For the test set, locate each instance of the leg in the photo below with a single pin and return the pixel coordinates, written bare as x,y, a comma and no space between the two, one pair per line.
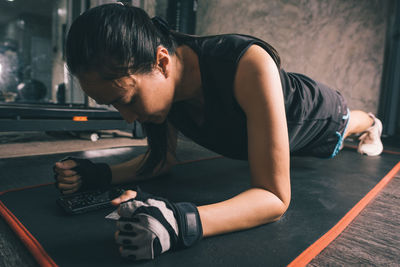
371,130
359,122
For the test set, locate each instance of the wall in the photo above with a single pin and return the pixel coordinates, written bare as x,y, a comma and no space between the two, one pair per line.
340,42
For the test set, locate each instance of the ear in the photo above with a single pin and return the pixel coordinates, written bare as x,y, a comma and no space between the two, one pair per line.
163,61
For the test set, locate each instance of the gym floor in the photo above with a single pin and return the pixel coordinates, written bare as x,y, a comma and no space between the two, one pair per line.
372,239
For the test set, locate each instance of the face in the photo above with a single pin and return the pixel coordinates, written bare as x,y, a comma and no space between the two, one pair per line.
143,97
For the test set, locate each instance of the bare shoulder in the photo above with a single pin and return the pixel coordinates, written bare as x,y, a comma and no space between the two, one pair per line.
256,77
255,55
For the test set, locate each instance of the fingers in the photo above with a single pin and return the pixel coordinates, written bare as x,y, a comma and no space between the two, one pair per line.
67,164
68,188
64,167
68,184
137,243
66,192
68,180
127,195
64,172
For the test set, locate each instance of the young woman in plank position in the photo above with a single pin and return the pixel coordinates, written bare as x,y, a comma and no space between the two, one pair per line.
227,93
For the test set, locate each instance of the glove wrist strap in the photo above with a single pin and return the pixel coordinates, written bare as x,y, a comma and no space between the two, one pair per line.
190,228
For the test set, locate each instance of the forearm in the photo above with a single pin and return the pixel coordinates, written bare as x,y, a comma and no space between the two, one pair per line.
127,172
249,209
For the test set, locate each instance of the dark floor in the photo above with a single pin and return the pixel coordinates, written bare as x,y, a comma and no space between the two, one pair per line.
372,239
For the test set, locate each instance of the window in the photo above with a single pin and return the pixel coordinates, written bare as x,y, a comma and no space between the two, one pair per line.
31,65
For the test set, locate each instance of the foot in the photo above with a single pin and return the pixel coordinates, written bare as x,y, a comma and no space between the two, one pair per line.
370,141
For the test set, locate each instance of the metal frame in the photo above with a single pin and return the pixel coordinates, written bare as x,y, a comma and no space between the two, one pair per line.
26,117
9,125
389,109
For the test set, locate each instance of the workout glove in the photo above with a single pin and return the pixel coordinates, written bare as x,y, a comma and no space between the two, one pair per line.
93,175
150,225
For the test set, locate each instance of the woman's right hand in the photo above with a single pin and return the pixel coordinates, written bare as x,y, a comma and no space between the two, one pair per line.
67,180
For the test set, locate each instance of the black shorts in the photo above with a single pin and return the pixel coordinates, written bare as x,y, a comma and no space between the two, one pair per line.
330,138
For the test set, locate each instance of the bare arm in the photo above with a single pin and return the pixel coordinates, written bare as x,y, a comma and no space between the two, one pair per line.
69,180
126,171
258,91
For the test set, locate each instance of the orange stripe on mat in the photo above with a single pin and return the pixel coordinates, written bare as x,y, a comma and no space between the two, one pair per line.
27,238
26,187
312,251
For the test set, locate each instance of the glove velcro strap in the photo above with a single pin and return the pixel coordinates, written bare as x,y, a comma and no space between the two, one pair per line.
190,229
93,175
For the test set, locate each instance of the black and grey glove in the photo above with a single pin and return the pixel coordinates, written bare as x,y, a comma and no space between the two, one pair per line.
93,175
151,225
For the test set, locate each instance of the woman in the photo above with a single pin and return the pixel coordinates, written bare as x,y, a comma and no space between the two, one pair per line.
228,94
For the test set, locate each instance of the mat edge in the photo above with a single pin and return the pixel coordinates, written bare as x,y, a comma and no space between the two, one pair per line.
30,242
312,251
303,259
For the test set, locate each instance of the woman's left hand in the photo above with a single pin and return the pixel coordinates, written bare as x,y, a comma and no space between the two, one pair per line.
151,225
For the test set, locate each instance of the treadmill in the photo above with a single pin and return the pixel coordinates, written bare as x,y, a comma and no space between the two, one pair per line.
56,117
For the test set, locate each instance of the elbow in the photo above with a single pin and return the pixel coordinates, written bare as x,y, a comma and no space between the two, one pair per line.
283,206
280,215
272,207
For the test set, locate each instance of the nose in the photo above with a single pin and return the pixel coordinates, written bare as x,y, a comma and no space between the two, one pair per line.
128,115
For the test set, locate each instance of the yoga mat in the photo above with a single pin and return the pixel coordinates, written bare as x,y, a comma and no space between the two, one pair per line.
323,192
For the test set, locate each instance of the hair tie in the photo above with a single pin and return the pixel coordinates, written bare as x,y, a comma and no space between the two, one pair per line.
123,3
161,24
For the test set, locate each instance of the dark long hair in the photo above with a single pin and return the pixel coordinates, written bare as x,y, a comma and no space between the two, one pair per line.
116,40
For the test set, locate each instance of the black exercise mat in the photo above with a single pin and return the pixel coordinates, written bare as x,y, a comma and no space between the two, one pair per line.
323,191
33,170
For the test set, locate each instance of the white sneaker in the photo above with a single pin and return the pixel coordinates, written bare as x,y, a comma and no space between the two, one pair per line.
370,141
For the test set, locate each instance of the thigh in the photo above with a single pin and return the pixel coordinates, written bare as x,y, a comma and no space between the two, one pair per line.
329,132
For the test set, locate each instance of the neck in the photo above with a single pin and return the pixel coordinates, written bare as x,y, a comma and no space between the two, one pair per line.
188,77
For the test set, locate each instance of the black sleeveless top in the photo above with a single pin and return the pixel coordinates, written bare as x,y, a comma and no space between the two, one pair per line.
224,129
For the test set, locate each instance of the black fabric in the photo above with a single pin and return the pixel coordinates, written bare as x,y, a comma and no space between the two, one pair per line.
190,228
323,191
310,106
93,175
314,114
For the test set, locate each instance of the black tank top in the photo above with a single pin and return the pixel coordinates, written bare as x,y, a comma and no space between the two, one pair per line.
224,129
